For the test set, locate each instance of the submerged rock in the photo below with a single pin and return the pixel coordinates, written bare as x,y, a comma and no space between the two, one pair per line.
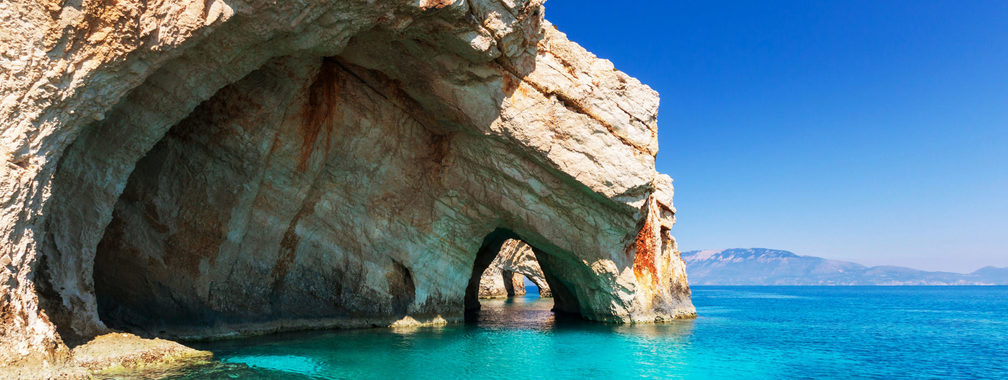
504,277
211,168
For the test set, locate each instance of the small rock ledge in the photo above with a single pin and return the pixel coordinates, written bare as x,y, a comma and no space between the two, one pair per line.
116,355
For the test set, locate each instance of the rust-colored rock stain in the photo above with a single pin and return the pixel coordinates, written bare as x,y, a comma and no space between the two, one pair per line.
290,241
510,82
440,150
320,110
645,252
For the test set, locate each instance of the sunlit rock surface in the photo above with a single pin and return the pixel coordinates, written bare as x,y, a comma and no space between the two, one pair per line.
112,356
210,168
504,277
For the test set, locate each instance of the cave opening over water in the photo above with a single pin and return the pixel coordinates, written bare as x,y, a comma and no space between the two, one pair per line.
260,171
243,218
498,243
355,189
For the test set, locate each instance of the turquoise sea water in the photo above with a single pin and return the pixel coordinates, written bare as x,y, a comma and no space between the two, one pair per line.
741,332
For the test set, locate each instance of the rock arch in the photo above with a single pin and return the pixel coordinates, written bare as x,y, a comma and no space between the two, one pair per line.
504,277
190,169
504,241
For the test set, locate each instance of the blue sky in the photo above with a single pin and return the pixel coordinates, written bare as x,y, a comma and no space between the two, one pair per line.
871,131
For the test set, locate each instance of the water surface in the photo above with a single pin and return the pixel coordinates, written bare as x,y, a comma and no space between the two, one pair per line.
741,332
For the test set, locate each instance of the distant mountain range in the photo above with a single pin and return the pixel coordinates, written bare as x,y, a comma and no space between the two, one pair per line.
761,266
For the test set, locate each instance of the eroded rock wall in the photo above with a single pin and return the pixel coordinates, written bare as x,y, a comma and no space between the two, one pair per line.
198,168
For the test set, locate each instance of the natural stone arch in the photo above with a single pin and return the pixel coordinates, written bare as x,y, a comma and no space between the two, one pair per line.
504,277
512,125
502,240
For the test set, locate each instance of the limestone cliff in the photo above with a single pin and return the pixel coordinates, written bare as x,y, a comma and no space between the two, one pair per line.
211,167
503,278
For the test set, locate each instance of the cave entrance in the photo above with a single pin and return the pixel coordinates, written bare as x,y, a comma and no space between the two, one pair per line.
258,210
514,267
504,265
238,215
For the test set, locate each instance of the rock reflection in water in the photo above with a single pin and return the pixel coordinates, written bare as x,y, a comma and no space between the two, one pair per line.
742,332
523,329
528,312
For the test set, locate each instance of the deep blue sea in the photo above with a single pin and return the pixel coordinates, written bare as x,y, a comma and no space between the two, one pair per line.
741,332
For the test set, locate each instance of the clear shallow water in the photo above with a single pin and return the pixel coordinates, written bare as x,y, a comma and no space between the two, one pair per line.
741,332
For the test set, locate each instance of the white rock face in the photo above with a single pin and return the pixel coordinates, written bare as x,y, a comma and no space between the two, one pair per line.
504,277
498,283
204,168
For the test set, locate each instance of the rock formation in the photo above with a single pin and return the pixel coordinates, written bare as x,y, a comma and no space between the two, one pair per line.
116,355
504,277
217,167
499,283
